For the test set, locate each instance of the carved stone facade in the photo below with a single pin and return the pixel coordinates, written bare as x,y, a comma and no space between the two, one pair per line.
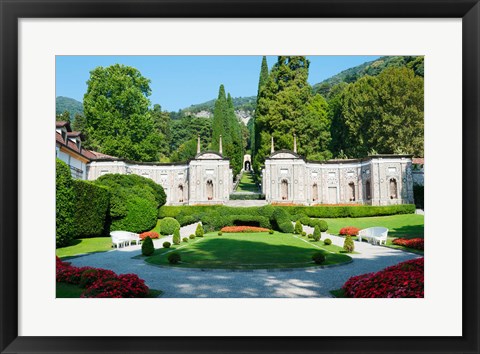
376,180
207,179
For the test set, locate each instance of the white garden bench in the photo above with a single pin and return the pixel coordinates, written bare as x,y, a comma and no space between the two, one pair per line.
122,238
376,235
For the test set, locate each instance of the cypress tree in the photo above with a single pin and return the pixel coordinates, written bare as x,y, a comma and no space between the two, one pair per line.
261,83
219,115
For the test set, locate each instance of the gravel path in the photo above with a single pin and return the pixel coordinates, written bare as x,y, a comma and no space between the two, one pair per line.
188,283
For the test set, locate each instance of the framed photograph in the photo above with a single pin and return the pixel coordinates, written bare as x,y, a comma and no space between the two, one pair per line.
207,284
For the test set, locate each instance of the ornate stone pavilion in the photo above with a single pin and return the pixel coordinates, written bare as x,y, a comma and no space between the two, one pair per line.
375,180
206,179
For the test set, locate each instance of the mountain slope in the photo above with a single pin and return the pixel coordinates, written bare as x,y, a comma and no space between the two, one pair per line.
68,104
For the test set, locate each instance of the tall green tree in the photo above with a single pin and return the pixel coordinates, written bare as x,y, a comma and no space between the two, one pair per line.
118,120
219,118
261,83
162,124
382,113
286,105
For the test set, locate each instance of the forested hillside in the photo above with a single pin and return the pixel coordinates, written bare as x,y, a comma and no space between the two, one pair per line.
67,104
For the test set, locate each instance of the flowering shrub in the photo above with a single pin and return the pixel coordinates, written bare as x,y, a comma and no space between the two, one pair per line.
402,280
101,282
151,234
349,230
244,229
416,243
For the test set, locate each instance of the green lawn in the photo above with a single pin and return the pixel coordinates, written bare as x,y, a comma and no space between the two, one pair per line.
85,245
247,184
64,290
404,226
250,251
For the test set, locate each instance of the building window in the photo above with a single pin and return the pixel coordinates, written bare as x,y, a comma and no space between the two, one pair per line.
351,188
314,192
392,170
368,190
209,189
284,189
393,189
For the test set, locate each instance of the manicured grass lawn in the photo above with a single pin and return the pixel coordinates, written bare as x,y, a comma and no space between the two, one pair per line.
65,290
247,184
250,251
404,226
85,245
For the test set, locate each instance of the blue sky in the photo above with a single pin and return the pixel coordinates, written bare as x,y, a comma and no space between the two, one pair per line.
180,81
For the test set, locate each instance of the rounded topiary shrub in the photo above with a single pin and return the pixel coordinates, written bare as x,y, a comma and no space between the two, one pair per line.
304,233
318,258
174,258
323,225
310,236
168,226
298,227
270,232
166,244
327,242
199,231
192,236
348,244
185,239
147,247
176,237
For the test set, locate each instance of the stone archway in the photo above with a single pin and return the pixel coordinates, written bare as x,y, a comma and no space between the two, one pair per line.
284,189
209,189
393,188
247,166
315,192
247,162
180,193
351,187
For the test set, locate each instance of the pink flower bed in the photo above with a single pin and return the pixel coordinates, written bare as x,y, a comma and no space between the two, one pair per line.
101,283
402,280
416,243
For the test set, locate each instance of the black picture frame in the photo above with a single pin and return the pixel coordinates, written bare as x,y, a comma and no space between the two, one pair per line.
12,11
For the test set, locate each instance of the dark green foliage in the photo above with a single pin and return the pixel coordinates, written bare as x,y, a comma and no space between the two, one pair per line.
192,236
91,209
184,132
65,205
323,225
147,247
240,103
327,242
176,237
220,233
316,233
383,113
318,257
271,232
281,221
162,125
348,244
118,120
185,239
418,195
134,201
199,231
310,236
168,226
261,84
166,244
298,228
174,258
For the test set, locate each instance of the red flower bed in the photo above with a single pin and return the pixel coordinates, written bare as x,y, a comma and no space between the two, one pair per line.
416,243
101,282
244,229
151,234
349,230
402,280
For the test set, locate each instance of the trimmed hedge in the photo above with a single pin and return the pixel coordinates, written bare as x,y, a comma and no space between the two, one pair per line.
168,226
279,218
65,205
91,209
134,201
